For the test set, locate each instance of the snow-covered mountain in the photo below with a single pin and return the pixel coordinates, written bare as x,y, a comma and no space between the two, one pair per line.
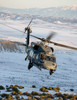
53,15
66,12
51,19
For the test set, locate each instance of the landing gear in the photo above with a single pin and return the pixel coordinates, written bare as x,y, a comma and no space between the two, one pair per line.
26,57
30,65
51,72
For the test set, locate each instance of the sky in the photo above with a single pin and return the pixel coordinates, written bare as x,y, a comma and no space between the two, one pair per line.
22,4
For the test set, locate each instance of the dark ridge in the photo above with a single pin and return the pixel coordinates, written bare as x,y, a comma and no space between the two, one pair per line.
6,45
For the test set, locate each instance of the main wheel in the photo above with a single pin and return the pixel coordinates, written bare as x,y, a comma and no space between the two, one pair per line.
26,58
51,72
30,66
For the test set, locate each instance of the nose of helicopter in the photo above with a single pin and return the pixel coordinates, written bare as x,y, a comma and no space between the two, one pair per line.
50,65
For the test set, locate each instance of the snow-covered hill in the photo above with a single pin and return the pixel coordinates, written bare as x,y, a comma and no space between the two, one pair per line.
13,67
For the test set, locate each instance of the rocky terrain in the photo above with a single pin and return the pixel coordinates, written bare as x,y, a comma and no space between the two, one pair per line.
14,92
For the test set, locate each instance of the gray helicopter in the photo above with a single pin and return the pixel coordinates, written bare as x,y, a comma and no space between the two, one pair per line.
40,54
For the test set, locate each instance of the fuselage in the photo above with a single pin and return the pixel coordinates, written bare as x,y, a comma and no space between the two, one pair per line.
41,56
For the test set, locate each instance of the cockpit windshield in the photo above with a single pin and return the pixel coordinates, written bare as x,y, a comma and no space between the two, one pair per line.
48,58
51,58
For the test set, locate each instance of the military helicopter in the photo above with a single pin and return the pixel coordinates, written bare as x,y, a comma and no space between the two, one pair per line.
39,54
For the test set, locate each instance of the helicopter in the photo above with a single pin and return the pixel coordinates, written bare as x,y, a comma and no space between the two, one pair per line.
40,54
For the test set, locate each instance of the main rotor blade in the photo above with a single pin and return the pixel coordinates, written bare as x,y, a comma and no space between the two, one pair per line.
62,45
37,37
50,36
11,27
55,43
30,23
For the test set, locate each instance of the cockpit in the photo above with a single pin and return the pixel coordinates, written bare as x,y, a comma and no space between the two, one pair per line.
37,47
